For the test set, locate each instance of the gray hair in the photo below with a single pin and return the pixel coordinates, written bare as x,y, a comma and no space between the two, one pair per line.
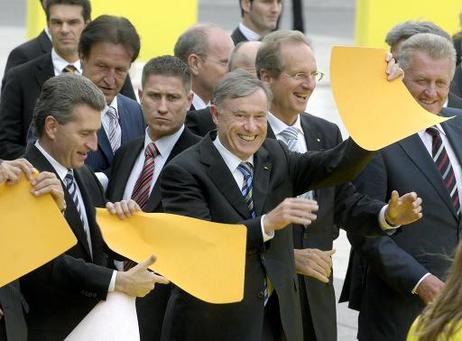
237,84
60,95
408,28
435,46
194,40
269,53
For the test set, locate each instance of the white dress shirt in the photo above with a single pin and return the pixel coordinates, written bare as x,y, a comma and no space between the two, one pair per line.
59,64
105,118
198,102
164,146
62,171
232,162
248,33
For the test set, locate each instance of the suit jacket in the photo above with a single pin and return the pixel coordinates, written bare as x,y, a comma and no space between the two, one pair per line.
456,84
13,324
200,121
151,308
29,50
22,88
61,292
340,205
198,183
394,264
132,126
237,36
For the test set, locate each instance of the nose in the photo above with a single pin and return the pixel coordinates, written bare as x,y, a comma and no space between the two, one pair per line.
309,83
162,109
250,124
92,142
65,28
110,77
431,90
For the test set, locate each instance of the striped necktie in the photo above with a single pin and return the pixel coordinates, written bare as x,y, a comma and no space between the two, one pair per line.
142,188
246,169
115,132
441,158
70,69
290,135
71,187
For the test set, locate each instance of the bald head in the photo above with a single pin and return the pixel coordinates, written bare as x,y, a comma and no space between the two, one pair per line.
244,56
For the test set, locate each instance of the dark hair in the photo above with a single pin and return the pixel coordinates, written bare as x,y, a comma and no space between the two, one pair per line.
168,66
85,4
61,94
110,29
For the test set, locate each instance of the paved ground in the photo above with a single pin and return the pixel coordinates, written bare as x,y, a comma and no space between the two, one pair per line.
328,23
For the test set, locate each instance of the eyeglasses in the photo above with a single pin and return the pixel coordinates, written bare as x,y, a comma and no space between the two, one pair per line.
303,76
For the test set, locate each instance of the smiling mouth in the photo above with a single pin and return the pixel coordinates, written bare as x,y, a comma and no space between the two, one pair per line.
248,138
302,97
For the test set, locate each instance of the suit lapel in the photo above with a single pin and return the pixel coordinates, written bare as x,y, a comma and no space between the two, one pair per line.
220,174
126,165
416,151
71,215
453,130
104,145
262,172
45,42
45,69
124,120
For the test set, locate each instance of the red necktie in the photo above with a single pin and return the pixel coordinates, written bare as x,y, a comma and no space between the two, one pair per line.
143,184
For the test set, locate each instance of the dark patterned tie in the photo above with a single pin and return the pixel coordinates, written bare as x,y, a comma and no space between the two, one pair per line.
143,184
70,69
246,169
441,158
71,187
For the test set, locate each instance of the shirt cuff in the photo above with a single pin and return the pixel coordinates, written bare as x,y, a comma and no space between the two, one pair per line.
112,283
414,290
266,236
384,225
103,180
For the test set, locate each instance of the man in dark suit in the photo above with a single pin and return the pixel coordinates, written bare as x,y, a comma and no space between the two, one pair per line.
242,57
165,97
205,48
292,85
406,270
108,46
12,304
60,293
258,18
234,175
66,20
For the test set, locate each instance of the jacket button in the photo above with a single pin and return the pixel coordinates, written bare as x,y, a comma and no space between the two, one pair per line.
261,294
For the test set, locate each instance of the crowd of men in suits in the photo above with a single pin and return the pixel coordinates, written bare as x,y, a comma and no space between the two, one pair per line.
220,133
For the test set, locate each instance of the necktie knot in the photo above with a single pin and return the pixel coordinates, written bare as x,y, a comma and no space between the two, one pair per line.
151,151
69,178
433,132
112,113
246,169
69,69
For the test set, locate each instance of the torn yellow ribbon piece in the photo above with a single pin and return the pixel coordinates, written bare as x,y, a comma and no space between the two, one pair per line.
32,232
375,111
205,259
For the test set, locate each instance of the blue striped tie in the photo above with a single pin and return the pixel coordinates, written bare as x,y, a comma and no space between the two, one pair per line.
246,169
290,135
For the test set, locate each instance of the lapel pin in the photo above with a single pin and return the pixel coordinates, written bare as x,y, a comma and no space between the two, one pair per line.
266,168
318,139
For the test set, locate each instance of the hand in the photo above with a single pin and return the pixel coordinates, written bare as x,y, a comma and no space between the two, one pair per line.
138,281
393,70
290,211
124,208
11,171
429,288
403,210
314,263
47,182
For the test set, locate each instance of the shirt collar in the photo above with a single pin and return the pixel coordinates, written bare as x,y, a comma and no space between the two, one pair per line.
113,104
59,168
248,33
47,31
164,144
231,160
60,63
198,102
278,126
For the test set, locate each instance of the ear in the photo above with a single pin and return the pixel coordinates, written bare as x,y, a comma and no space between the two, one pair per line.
194,62
190,98
140,94
266,76
246,4
50,127
214,112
